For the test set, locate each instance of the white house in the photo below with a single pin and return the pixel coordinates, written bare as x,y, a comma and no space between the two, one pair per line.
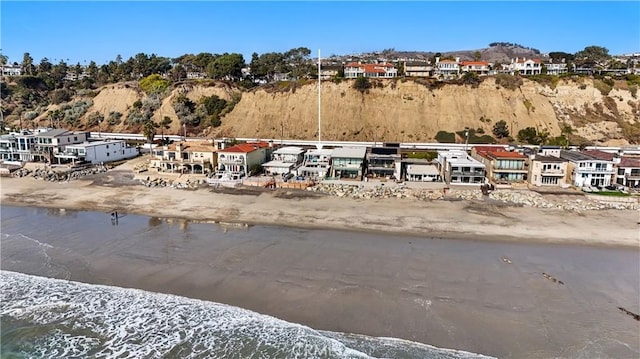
383,70
55,141
238,161
588,169
384,162
420,170
556,67
628,172
526,66
316,163
458,168
97,152
448,69
284,160
11,70
417,69
480,68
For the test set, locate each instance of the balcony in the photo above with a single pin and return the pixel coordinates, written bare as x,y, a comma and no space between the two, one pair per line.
603,170
467,173
551,172
632,176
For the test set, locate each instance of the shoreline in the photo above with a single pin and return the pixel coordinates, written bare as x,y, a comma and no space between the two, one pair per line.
484,220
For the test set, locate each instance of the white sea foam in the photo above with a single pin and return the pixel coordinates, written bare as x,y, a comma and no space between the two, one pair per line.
83,320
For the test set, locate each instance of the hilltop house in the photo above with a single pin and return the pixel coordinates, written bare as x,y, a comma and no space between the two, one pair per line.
556,67
11,70
525,66
447,69
382,70
238,161
418,69
480,68
329,71
185,157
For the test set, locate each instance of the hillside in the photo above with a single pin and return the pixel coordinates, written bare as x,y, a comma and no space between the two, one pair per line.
392,110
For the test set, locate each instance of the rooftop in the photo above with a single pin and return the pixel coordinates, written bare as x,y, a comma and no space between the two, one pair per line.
245,147
629,162
349,152
289,150
574,156
541,158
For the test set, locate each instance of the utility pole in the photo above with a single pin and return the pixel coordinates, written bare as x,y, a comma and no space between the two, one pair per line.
466,141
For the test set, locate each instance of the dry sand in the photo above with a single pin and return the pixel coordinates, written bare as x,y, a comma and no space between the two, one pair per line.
117,189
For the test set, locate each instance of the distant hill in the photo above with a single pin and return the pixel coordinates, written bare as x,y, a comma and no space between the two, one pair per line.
500,52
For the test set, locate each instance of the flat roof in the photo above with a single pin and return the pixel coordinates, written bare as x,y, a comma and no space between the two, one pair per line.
349,152
575,156
94,143
320,152
278,164
54,133
415,169
541,158
289,150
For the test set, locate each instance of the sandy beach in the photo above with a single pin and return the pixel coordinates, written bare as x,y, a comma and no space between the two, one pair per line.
490,220
457,274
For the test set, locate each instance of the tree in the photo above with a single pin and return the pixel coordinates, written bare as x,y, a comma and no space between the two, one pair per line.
362,84
27,64
477,56
149,130
500,129
226,66
559,55
153,84
178,73
3,60
164,125
92,70
531,136
593,54
44,67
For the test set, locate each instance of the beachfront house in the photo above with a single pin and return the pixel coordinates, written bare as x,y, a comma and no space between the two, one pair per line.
458,168
51,142
348,162
383,162
284,160
502,166
589,168
185,157
97,152
548,171
241,160
316,163
420,170
628,172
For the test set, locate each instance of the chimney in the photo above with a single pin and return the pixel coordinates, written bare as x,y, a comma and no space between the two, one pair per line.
514,60
437,60
457,59
179,147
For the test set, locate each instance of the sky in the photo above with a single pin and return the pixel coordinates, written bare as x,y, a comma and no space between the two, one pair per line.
78,32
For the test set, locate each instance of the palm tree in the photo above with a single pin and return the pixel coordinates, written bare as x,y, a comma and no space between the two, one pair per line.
149,130
164,125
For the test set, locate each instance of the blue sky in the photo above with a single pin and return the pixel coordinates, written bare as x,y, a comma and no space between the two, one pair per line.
100,30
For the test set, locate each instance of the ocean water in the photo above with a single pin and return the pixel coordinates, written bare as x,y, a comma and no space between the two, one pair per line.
448,293
53,318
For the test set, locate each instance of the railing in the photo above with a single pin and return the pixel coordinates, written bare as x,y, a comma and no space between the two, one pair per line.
552,172
467,173
632,176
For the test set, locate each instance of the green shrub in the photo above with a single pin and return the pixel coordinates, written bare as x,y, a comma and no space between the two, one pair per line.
445,137
362,84
114,118
634,91
602,86
507,81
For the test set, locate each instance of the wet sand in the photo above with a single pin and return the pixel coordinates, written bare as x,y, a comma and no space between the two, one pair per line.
476,295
